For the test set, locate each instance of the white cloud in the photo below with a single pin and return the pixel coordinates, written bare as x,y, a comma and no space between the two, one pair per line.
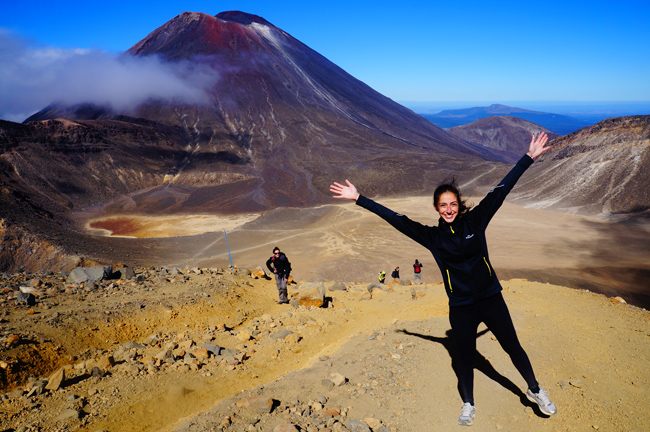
33,77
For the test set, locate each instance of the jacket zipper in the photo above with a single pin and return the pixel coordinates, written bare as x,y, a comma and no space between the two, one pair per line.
488,266
451,290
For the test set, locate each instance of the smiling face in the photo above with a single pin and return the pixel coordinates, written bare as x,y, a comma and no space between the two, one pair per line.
447,206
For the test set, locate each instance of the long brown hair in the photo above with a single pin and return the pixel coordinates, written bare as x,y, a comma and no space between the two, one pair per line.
451,186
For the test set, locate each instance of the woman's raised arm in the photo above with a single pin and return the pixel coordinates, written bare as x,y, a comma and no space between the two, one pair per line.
347,192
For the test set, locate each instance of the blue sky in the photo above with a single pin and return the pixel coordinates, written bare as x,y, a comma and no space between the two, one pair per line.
410,51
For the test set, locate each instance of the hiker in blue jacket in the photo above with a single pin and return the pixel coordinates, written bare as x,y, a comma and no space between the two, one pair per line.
459,246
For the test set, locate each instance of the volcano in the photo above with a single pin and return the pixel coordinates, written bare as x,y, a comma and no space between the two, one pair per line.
282,121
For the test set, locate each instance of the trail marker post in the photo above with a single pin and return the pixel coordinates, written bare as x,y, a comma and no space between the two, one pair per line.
228,246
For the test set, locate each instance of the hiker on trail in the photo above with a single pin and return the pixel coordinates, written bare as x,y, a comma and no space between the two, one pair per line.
459,247
281,267
382,276
417,271
395,273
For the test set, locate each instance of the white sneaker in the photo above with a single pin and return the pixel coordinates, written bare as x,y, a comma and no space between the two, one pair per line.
467,414
541,399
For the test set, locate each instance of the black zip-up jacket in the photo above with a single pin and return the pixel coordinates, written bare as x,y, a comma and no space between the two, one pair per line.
281,264
459,248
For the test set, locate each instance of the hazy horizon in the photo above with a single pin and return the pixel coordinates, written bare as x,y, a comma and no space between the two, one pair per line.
588,111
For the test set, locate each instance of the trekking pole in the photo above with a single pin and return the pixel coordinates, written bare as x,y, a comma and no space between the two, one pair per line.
228,246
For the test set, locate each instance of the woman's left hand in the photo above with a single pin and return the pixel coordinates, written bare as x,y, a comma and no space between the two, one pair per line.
348,192
536,146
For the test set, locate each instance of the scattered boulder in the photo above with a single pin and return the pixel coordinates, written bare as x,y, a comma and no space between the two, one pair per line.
338,286
244,335
373,286
337,379
333,412
12,340
105,362
281,334
258,404
212,348
285,427
31,290
125,273
293,338
310,295
131,345
373,423
56,380
92,274
25,298
201,353
244,272
357,426
34,283
259,273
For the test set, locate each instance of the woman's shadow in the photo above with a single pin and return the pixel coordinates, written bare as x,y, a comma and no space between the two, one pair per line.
480,362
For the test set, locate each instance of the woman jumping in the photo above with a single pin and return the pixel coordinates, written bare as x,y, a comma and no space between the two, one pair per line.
459,247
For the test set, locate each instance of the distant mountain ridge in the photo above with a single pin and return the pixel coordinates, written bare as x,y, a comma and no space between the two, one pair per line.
507,135
602,169
559,124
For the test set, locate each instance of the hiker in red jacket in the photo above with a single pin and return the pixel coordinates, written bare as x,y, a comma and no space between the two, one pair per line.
417,271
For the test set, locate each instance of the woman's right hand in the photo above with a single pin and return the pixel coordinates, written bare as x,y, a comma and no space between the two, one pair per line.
347,192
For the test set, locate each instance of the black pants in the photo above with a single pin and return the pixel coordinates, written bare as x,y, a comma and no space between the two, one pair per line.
464,322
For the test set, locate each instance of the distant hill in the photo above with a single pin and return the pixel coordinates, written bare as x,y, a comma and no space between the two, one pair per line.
506,135
599,169
560,124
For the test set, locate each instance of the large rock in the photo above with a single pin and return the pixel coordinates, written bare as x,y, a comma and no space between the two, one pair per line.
338,286
310,295
357,426
280,334
258,404
25,298
56,380
124,273
89,274
337,379
259,273
373,286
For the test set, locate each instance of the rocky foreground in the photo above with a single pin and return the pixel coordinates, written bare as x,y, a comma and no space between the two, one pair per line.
210,349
